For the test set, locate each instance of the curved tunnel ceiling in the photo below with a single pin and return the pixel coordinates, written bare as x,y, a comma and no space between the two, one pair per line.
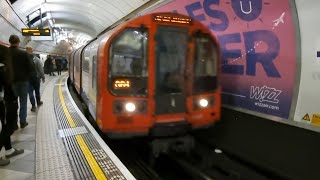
77,20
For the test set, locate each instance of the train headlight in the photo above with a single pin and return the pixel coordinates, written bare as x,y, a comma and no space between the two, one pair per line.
203,103
130,107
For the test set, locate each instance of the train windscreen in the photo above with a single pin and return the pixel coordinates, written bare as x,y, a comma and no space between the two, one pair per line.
205,65
171,51
128,70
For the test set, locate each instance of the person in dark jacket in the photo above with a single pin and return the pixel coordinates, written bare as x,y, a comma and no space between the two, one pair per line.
34,83
46,66
8,107
58,65
49,65
22,69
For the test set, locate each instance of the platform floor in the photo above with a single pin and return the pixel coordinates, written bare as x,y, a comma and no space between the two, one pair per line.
23,166
46,143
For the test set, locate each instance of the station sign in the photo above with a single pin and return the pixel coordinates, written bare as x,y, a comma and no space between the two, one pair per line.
35,32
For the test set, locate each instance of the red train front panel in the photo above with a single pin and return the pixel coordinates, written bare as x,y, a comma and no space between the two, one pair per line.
158,75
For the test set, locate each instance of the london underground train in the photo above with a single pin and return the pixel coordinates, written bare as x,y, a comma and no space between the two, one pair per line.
155,75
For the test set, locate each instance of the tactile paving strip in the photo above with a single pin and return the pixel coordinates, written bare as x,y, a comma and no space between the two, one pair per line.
72,131
104,161
81,167
77,159
51,157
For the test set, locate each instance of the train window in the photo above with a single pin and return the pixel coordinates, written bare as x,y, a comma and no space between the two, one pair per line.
205,64
129,55
171,51
77,63
85,59
77,67
94,72
128,59
85,64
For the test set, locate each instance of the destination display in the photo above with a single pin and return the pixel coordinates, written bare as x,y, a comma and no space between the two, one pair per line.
35,32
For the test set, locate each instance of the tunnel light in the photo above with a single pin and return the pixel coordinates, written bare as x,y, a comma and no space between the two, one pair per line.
130,107
203,103
50,22
48,15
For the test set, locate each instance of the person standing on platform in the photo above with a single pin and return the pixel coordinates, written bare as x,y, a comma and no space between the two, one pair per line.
8,107
49,65
22,68
34,83
58,65
46,66
54,67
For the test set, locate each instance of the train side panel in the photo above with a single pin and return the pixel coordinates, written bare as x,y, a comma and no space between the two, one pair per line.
77,70
89,76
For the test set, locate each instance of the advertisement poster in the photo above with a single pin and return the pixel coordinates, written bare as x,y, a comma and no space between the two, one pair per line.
257,40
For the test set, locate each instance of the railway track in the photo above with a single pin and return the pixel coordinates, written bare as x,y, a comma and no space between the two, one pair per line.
202,162
130,154
217,165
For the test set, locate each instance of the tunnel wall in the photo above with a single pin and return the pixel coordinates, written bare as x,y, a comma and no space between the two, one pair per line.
12,24
278,150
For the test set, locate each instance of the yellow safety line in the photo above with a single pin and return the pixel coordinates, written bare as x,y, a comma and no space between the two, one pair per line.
86,151
64,107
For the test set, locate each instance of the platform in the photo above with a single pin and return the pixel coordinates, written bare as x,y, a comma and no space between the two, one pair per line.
60,143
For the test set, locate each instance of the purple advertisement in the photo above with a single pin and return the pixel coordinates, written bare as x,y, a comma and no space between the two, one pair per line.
257,40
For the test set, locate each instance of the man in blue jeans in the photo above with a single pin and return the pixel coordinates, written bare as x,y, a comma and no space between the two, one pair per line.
22,68
8,107
34,83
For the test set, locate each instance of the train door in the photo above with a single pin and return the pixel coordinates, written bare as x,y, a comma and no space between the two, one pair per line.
170,62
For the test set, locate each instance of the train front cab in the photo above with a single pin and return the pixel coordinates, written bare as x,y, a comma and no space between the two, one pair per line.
162,79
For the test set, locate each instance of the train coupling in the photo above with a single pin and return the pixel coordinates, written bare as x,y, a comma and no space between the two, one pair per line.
172,144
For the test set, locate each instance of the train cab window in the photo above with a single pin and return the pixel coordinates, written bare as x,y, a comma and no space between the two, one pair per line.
128,60
205,65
